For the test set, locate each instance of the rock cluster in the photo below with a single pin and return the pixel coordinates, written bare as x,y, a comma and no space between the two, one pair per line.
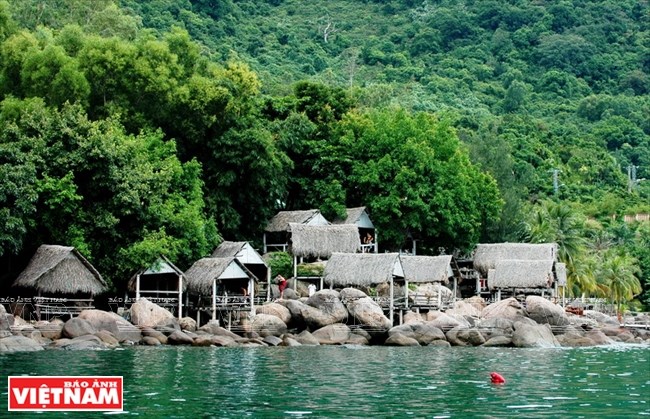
330,318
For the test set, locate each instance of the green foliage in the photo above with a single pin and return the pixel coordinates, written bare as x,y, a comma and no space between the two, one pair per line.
281,263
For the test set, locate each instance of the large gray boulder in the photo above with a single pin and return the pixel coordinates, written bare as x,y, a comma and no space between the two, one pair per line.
460,336
6,320
188,324
149,332
498,341
508,309
601,318
424,332
398,339
146,313
112,322
446,322
333,334
330,309
212,327
545,312
179,338
277,310
306,338
49,330
81,343
412,317
19,344
367,313
463,308
268,325
496,327
76,327
528,335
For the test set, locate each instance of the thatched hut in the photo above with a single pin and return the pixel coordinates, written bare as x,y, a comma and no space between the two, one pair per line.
360,218
426,270
161,283
277,231
486,256
61,271
521,275
362,270
320,241
249,257
226,281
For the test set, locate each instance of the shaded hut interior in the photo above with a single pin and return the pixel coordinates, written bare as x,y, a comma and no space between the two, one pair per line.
277,233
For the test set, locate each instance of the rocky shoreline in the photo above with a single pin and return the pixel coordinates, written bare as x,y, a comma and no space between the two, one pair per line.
330,317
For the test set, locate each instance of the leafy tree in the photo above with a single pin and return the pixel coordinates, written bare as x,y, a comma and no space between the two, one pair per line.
619,272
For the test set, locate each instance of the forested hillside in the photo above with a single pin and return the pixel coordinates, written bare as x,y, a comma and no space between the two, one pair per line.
135,128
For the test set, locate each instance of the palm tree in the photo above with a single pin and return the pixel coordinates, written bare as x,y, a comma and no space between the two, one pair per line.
553,222
619,272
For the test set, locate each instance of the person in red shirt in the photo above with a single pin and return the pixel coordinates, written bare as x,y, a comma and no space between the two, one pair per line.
282,284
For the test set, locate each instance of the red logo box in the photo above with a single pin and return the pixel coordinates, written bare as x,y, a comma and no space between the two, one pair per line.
103,393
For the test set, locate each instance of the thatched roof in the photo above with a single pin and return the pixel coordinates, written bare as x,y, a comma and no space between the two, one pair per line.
521,274
60,270
427,268
322,241
228,249
280,222
161,266
560,274
360,269
204,271
487,255
240,250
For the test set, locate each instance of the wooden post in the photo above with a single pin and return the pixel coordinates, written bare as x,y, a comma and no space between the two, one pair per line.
406,296
198,316
376,242
251,294
439,296
229,319
295,270
455,288
264,240
498,295
214,299
180,296
321,283
392,304
268,282
137,287
478,285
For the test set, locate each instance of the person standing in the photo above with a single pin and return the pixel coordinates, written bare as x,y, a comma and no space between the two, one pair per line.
282,285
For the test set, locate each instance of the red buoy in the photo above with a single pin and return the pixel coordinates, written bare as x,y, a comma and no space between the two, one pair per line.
497,378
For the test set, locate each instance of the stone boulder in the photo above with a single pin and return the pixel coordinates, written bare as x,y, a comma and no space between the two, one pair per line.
601,318
528,335
6,320
76,327
108,339
498,341
148,332
272,340
212,327
496,327
357,339
179,338
446,322
507,309
367,313
146,313
412,317
275,309
306,338
424,332
544,311
204,340
398,339
333,334
463,309
112,322
225,341
188,324
81,343
151,341
331,309
49,330
574,339
268,325
19,344
460,336
289,341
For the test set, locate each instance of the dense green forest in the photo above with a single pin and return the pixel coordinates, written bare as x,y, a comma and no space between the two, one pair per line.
133,128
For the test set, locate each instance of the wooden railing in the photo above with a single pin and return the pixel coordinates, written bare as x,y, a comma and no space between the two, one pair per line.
48,306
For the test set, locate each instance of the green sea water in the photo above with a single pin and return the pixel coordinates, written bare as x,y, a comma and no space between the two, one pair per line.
357,382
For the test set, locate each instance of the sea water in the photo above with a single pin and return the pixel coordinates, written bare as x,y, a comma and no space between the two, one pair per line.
357,381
